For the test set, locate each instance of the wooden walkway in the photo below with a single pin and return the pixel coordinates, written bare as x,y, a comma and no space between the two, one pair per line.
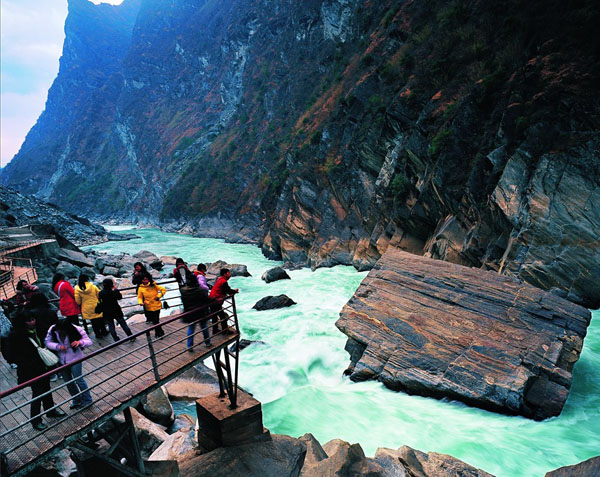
118,377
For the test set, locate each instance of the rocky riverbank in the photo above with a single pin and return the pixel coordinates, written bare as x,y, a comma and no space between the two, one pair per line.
438,329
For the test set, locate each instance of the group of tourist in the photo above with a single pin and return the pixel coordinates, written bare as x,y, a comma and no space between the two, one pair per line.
34,324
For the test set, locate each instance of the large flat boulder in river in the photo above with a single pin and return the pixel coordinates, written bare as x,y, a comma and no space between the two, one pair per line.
438,329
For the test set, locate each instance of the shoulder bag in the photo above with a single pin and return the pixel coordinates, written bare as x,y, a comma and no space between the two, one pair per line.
48,357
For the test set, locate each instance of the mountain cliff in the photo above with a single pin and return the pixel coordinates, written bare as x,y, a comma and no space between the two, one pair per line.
328,130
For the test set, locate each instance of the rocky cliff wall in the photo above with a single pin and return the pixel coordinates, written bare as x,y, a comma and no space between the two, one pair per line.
327,130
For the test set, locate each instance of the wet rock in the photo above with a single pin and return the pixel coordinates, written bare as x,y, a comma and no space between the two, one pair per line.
157,407
168,260
275,274
89,272
146,256
341,458
236,269
183,422
112,271
121,237
273,302
280,456
437,329
243,344
588,468
411,462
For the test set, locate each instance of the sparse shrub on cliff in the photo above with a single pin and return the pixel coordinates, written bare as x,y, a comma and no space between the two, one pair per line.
438,141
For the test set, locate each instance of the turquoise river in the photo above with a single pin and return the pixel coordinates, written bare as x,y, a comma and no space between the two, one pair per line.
296,372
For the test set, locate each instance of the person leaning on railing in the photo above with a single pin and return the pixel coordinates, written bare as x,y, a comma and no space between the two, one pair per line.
218,293
67,305
30,366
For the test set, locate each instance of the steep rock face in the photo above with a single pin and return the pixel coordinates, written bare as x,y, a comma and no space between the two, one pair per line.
327,130
438,329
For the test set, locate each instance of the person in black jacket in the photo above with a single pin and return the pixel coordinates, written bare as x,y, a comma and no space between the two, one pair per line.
109,296
45,316
30,365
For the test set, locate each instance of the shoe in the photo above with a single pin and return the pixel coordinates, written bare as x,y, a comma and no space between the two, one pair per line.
13,365
53,378
132,340
190,349
228,331
56,413
75,405
39,425
209,344
117,339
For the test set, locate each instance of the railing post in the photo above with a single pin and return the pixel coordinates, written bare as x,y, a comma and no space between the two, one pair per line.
153,357
134,441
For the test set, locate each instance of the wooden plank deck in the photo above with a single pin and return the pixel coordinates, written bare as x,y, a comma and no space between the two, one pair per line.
117,378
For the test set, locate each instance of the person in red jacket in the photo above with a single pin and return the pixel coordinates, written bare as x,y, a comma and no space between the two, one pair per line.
218,293
67,305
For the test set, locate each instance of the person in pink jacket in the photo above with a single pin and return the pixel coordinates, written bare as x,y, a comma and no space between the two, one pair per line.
67,305
68,340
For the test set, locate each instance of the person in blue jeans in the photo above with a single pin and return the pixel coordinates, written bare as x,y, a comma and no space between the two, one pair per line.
68,341
195,304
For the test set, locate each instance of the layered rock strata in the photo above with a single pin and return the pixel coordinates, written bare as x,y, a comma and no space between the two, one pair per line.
443,330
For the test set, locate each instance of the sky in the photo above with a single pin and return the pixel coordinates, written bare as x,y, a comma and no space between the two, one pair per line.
31,39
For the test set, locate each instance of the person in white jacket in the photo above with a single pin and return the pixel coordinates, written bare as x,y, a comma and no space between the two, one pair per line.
68,340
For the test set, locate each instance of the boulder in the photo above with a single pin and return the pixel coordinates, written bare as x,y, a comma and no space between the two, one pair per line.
121,237
145,256
337,457
278,457
243,344
76,258
112,271
273,302
157,407
99,264
275,274
149,434
443,330
60,464
236,269
177,446
89,272
586,468
411,462
193,384
68,269
168,260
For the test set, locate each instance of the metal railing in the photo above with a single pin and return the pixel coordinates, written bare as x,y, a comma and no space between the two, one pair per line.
118,373
8,279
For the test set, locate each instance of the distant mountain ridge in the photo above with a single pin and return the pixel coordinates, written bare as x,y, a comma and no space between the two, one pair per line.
327,130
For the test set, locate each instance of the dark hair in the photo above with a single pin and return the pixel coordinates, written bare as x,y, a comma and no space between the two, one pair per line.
202,267
147,275
107,284
57,278
224,271
83,278
179,261
68,328
19,320
141,265
20,284
38,300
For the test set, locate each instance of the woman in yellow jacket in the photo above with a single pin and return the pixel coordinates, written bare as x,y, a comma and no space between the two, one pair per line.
149,295
86,296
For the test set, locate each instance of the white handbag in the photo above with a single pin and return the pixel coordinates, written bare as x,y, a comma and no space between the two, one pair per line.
48,357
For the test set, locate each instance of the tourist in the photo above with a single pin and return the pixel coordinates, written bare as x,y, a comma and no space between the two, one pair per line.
201,276
25,342
182,273
67,305
218,293
68,340
149,295
111,310
45,316
24,292
195,305
139,270
6,329
86,296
